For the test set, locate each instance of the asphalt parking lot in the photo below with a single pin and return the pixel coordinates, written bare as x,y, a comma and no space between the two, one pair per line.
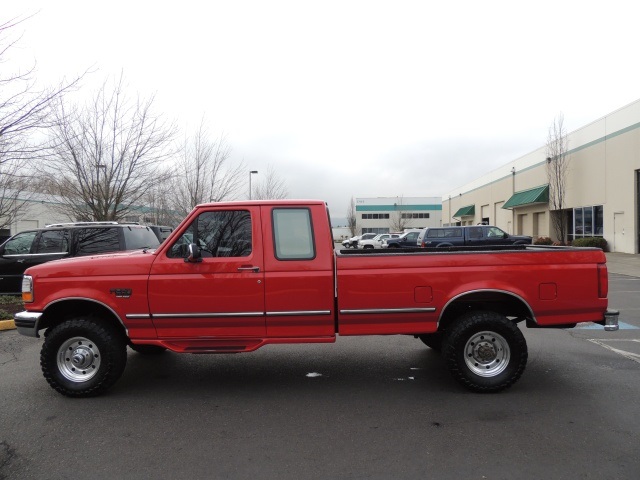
374,407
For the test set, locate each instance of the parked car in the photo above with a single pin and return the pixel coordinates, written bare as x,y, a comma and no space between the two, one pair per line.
33,247
376,242
475,235
353,241
406,240
161,231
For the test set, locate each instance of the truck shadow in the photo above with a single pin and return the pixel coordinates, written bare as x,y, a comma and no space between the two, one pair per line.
294,369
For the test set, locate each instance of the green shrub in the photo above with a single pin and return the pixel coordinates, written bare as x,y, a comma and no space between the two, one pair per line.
597,242
543,241
9,305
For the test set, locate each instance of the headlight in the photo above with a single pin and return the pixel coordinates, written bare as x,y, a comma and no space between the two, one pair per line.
27,289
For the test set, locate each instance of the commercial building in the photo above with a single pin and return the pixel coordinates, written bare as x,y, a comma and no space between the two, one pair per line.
602,196
393,214
37,210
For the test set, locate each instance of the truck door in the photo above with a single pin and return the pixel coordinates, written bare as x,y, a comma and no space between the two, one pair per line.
474,236
299,265
223,294
495,236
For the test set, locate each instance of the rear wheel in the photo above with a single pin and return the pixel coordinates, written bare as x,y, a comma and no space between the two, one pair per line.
83,357
485,351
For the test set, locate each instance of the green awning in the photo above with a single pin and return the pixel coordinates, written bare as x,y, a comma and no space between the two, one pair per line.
468,211
528,197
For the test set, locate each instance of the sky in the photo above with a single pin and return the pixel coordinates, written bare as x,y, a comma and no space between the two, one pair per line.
351,98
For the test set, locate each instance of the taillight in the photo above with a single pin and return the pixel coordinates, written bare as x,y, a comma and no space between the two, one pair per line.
27,289
603,281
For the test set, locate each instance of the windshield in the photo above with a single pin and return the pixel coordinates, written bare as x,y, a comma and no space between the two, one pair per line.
140,237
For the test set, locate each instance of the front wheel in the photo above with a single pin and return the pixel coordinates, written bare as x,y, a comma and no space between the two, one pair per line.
485,351
83,357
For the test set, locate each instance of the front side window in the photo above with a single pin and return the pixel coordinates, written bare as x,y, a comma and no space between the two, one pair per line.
493,232
412,236
90,241
217,234
293,234
20,244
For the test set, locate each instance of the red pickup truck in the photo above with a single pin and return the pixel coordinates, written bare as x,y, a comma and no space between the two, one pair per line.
236,276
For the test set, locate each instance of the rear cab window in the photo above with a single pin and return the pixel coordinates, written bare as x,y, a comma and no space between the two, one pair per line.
293,234
444,232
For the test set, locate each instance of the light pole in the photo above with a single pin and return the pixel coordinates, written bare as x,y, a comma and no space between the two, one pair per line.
251,173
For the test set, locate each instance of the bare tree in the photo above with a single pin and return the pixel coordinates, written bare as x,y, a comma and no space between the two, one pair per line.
158,203
107,154
271,187
204,172
398,221
557,166
351,217
24,114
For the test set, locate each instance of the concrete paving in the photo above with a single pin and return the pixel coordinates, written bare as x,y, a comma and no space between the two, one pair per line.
623,264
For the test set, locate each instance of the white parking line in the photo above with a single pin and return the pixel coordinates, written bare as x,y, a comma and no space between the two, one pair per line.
630,355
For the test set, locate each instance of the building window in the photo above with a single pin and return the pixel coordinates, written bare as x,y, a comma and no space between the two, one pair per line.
407,216
587,222
375,216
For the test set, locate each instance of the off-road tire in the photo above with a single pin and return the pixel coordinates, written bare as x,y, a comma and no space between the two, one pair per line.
485,351
83,356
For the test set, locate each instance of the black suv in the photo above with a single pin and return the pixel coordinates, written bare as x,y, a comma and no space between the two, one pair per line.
63,240
469,236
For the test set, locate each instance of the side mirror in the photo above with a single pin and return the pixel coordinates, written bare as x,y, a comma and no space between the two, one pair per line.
506,235
195,256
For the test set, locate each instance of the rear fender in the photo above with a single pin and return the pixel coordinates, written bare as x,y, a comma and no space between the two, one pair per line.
497,300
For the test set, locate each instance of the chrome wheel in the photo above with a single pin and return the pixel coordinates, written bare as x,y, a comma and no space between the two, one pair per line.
78,359
487,354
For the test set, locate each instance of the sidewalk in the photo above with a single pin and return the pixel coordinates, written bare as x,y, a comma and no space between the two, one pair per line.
624,264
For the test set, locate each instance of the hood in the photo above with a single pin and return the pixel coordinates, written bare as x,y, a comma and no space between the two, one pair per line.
136,262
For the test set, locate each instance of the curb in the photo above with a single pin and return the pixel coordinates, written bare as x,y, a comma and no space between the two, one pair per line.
7,325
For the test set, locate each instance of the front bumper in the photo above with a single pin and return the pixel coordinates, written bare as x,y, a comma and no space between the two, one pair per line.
27,323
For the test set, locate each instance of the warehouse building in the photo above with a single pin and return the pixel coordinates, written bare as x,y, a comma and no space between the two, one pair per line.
393,214
602,188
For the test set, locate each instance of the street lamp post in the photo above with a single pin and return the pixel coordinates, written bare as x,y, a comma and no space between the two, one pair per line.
251,173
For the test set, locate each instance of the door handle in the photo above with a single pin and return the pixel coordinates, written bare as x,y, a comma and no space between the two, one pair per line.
248,268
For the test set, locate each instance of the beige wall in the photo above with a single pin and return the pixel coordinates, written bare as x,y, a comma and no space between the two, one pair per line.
604,158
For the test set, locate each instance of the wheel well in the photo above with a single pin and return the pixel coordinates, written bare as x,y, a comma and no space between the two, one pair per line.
500,302
58,312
